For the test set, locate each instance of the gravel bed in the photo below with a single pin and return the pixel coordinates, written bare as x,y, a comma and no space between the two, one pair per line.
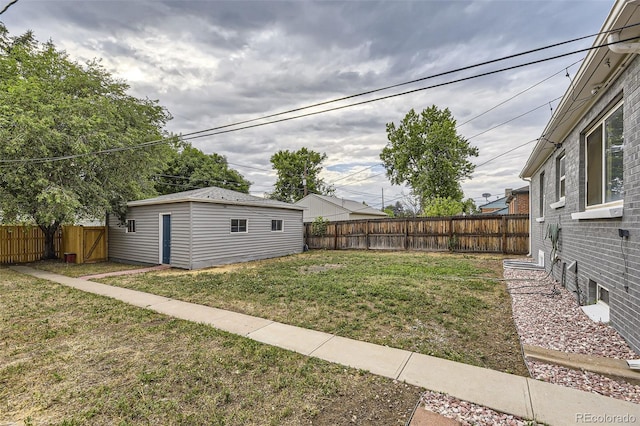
467,413
547,315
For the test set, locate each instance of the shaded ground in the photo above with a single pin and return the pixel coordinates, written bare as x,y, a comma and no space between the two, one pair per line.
446,305
67,357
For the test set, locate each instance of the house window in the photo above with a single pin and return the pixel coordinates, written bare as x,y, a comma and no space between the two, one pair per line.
131,226
541,194
276,225
603,295
561,176
238,225
604,148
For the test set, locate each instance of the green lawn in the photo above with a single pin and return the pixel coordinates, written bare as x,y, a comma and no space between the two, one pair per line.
447,305
72,358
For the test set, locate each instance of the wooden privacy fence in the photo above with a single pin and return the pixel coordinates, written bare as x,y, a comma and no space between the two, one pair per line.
20,244
508,234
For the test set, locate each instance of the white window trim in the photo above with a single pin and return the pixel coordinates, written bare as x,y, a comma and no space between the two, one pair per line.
540,219
126,227
561,179
246,231
558,204
607,212
603,183
281,227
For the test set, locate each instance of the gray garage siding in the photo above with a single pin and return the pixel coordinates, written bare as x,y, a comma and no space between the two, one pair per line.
143,246
214,244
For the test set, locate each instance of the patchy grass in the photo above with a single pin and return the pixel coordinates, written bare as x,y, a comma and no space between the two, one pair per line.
79,270
71,358
446,305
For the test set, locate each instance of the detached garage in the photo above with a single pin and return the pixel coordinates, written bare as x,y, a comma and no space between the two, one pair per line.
205,227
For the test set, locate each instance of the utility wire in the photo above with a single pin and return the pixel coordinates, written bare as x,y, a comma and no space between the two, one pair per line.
465,68
164,140
11,3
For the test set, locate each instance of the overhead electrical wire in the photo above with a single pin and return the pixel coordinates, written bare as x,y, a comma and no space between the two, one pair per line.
199,134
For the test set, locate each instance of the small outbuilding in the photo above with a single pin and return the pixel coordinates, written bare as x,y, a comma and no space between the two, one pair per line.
335,209
205,227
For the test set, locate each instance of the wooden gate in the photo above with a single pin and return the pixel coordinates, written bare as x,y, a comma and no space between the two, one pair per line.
88,243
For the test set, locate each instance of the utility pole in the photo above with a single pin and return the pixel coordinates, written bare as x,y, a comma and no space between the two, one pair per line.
304,180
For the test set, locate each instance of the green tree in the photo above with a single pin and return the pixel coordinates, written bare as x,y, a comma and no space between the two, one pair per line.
298,175
469,207
190,168
442,207
55,116
425,152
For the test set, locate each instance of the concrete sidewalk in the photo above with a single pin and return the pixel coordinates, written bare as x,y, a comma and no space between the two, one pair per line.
520,396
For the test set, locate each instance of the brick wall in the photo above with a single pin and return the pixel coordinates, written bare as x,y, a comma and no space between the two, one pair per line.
595,245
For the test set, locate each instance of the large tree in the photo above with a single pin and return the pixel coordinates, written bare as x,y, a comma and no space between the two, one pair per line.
70,138
426,153
298,175
190,168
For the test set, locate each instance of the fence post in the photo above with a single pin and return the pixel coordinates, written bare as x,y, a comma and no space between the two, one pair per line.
335,236
504,234
450,242
406,234
366,233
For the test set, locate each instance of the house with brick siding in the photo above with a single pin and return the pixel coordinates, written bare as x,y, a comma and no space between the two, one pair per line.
584,175
518,200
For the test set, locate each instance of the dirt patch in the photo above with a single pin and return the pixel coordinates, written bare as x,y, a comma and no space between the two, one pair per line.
213,270
379,403
312,269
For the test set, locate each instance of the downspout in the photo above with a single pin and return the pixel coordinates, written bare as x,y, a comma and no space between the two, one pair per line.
622,47
530,215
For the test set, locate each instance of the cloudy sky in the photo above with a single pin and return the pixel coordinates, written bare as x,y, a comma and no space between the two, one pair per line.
215,63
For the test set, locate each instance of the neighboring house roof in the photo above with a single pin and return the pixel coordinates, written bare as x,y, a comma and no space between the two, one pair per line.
348,205
215,195
513,192
597,72
499,211
498,204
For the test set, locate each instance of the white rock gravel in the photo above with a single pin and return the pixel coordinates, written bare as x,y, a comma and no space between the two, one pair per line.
547,315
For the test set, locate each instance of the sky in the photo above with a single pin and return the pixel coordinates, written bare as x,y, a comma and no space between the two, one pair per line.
216,63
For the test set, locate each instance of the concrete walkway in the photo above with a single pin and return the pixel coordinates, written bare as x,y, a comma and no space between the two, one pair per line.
520,396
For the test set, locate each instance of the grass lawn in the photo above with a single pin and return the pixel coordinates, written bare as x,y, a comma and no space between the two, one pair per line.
79,270
72,358
446,305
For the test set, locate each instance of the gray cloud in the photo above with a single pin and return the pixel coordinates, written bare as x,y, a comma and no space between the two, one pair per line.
213,63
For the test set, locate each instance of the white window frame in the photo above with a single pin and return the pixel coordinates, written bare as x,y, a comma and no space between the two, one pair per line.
238,226
601,123
131,226
562,176
276,221
599,294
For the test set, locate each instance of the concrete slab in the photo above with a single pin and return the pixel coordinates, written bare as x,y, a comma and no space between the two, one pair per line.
240,324
423,417
189,311
500,391
381,360
558,405
606,366
133,297
298,339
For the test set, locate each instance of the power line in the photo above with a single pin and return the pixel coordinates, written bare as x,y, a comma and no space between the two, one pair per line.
164,140
520,93
514,118
11,3
465,68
